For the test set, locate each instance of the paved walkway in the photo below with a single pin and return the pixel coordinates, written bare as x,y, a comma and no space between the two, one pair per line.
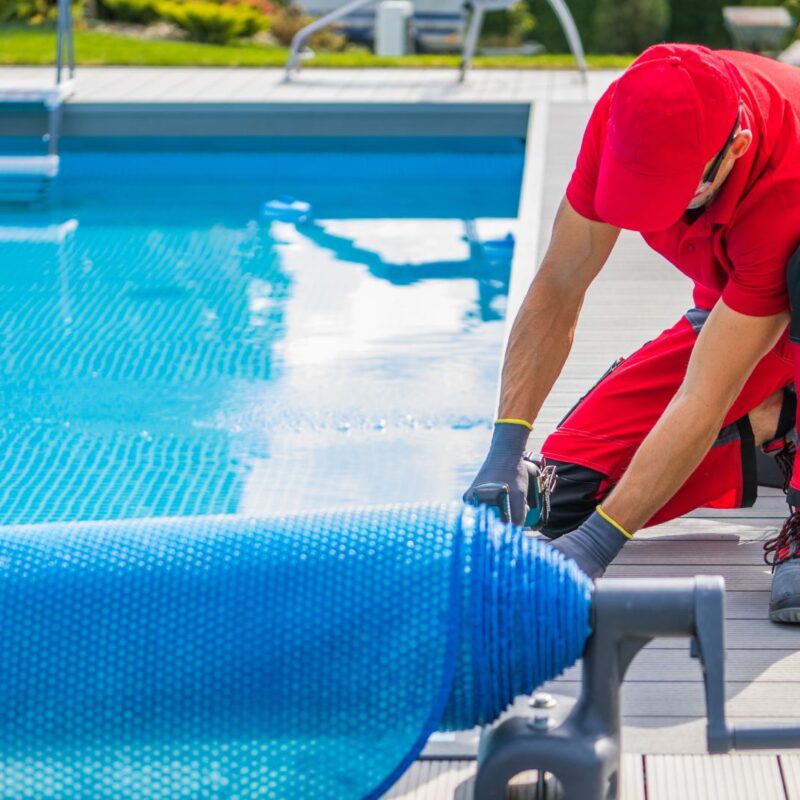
214,85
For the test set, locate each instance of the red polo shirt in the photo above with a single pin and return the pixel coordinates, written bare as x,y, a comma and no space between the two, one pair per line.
738,248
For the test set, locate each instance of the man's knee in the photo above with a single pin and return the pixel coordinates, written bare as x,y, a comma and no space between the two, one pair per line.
575,496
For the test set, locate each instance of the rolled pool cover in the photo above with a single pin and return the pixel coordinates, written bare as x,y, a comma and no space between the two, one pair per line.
305,656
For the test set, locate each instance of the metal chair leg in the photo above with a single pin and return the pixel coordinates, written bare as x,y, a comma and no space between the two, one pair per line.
471,39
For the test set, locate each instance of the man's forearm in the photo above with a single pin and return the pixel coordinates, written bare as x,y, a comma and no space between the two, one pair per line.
538,346
541,338
665,459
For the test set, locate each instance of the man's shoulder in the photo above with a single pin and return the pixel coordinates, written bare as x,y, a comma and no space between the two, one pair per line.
754,68
768,221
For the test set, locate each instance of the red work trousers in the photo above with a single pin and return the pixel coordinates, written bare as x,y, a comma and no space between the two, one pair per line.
606,427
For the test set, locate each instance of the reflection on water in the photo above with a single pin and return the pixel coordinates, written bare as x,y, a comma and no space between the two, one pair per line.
155,366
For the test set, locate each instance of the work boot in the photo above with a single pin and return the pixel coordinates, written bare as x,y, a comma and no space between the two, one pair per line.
783,553
781,450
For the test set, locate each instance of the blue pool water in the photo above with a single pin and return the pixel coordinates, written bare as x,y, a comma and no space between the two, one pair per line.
169,350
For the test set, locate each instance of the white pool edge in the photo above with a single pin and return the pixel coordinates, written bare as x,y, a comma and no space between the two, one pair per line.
525,260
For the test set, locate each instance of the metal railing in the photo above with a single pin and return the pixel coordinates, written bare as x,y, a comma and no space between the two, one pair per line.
304,34
479,9
65,42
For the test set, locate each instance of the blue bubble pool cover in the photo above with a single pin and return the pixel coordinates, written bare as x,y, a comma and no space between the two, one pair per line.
289,657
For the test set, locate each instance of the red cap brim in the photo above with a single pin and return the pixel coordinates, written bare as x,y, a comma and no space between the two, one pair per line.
640,202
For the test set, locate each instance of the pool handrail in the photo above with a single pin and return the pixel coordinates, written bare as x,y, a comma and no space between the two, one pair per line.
303,35
65,41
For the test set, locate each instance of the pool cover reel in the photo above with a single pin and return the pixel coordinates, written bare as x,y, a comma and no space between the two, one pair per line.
287,657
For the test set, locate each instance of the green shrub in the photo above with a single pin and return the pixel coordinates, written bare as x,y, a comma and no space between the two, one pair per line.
629,26
139,12
265,7
36,11
210,22
287,21
549,31
700,22
509,26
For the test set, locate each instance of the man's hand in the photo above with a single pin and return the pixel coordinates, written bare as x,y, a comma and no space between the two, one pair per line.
503,466
594,544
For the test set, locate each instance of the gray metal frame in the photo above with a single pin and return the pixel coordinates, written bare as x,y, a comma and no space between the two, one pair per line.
479,9
583,753
65,41
303,35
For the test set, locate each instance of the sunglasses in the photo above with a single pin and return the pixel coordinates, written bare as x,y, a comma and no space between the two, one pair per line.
711,175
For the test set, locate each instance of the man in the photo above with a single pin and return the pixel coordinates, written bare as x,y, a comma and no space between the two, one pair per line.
700,152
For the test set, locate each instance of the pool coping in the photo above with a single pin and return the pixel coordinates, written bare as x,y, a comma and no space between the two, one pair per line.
275,119
525,260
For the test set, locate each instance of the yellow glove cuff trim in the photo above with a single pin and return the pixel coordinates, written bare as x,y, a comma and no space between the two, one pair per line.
614,523
509,421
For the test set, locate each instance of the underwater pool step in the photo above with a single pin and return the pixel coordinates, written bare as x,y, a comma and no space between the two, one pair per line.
32,166
49,95
38,234
26,179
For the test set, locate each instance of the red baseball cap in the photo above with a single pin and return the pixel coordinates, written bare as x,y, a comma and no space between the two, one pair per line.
672,111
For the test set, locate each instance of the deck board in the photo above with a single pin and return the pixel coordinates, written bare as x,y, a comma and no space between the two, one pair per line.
742,666
689,551
431,780
790,768
666,699
436,780
714,778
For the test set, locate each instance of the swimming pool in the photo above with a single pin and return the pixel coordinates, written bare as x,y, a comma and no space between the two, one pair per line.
177,343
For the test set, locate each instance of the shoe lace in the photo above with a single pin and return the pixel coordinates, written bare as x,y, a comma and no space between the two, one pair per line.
789,535
784,458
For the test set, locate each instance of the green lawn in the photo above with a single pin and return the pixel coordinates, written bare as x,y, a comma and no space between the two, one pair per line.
36,45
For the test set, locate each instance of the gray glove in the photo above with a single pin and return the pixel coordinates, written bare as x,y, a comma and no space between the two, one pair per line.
593,545
503,467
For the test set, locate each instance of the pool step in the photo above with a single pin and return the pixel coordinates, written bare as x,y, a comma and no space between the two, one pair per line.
26,178
56,233
29,166
50,96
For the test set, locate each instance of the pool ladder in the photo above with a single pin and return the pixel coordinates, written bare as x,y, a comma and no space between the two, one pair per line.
26,177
